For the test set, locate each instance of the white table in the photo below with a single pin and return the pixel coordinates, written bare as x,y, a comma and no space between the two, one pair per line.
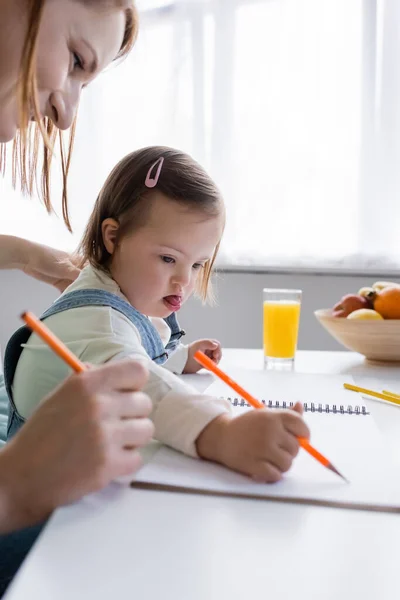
124,543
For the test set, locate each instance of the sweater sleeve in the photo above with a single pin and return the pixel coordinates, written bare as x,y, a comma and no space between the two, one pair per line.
177,360
180,413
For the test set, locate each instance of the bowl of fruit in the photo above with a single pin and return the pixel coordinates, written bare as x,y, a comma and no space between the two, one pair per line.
367,322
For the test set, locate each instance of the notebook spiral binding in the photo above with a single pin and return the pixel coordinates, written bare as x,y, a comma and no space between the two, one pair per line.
308,407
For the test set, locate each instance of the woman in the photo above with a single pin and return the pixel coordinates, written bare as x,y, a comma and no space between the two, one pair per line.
49,50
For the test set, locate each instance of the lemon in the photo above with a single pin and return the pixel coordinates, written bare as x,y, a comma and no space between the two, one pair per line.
365,314
367,292
380,285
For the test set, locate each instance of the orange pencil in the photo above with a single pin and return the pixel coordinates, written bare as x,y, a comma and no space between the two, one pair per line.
207,363
55,344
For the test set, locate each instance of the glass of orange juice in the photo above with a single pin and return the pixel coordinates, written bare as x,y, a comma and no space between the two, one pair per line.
281,327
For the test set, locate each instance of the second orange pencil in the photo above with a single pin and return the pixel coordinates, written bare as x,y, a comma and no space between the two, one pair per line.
55,344
207,363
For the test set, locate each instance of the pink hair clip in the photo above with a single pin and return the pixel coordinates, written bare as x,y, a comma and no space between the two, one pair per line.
150,183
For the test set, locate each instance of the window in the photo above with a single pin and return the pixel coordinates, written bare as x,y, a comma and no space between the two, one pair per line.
291,105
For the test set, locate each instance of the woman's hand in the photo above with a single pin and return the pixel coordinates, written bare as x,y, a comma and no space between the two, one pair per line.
51,266
82,437
41,262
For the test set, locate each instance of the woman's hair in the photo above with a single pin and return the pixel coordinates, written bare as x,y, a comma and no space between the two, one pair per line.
126,198
25,153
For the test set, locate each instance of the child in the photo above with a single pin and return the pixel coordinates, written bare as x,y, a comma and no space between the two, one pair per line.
151,241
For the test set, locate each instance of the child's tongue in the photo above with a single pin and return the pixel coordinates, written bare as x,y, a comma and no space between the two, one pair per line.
173,300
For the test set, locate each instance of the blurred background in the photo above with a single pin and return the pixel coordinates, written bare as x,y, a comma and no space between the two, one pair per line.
293,108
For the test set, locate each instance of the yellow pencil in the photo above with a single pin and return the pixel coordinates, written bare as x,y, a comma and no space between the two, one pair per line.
391,394
382,396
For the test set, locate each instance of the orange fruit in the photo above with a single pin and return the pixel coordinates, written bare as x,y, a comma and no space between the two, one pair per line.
387,303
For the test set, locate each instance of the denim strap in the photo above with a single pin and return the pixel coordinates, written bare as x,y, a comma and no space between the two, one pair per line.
149,335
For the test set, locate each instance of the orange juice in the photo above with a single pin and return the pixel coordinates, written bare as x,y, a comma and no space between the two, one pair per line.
281,328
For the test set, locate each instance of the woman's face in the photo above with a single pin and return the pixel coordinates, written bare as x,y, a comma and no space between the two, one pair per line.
76,41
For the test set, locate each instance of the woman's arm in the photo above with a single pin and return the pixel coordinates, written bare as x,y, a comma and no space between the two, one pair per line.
13,252
84,435
41,262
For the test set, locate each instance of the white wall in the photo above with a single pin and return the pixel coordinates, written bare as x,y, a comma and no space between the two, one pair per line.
18,293
236,320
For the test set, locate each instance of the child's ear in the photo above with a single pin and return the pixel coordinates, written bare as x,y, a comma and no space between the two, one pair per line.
109,230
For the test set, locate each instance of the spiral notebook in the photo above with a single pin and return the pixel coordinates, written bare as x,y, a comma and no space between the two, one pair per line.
276,389
341,428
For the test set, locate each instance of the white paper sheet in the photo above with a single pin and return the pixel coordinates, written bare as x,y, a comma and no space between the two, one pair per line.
351,442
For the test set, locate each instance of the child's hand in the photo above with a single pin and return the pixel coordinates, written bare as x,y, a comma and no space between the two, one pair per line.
212,348
260,443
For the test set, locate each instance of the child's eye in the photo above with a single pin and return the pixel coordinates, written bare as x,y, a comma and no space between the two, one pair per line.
78,62
197,266
168,259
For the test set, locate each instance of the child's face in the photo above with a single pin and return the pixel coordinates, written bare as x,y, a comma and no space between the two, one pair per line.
157,266
75,42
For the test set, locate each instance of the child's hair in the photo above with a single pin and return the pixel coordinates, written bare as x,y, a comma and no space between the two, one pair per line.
25,151
126,198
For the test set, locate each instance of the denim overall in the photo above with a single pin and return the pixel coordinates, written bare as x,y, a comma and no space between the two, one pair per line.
151,340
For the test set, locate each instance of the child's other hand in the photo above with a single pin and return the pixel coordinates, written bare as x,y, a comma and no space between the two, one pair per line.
212,348
261,443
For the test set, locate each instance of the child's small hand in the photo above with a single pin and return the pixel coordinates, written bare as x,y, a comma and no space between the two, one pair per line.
212,348
259,443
